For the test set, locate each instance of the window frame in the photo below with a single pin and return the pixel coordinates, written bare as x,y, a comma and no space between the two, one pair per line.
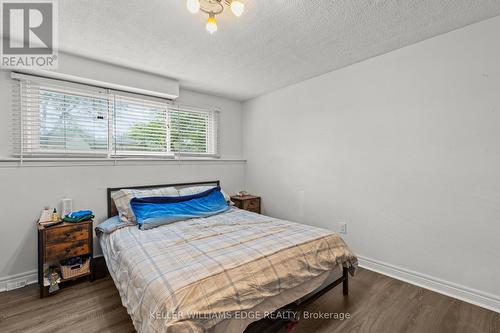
213,141
32,109
137,154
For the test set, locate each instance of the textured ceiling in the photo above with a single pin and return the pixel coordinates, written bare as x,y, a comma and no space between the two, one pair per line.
275,43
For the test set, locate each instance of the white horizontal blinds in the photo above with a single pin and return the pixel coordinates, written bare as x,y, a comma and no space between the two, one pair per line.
61,119
140,126
58,118
193,131
16,142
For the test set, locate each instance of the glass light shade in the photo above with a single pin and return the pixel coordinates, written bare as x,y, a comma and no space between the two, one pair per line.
211,24
237,7
193,6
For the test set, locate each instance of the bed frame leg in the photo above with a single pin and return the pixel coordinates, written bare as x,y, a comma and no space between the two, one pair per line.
345,283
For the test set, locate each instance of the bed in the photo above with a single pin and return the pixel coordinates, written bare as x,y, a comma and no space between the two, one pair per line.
220,273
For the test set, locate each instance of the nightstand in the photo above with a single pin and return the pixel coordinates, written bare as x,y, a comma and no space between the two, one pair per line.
247,202
60,242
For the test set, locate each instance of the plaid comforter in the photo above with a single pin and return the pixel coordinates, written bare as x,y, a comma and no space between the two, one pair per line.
184,276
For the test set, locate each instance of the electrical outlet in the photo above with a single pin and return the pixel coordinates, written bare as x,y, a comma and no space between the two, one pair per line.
342,227
15,285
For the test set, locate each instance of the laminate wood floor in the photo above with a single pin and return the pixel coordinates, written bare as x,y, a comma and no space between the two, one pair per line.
376,303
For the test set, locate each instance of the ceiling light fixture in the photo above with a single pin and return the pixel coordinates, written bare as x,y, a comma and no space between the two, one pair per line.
237,7
211,23
193,6
213,8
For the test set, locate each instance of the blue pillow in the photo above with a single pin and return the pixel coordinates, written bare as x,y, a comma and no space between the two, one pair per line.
111,225
155,211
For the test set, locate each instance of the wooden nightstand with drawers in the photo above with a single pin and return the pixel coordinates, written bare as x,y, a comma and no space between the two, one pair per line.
61,242
247,202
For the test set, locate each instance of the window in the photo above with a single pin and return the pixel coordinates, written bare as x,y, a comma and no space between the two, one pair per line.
65,122
191,131
64,119
140,127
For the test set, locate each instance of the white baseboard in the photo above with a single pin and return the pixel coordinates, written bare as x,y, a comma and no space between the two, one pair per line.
22,279
469,295
18,280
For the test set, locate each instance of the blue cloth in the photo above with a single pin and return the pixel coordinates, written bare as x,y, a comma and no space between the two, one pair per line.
155,211
112,224
80,214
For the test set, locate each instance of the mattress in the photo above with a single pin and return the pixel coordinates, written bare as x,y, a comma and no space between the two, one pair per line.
200,275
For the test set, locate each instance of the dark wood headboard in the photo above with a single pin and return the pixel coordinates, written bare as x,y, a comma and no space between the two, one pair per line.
111,205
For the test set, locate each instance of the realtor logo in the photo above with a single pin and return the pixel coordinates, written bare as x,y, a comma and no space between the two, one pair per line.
28,34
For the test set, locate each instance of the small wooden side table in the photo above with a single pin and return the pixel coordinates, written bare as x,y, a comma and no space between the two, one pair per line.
247,202
59,242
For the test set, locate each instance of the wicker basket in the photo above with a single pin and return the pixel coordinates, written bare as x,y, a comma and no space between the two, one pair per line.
69,272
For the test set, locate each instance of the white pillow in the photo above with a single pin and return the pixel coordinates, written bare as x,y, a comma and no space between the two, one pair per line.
122,200
198,189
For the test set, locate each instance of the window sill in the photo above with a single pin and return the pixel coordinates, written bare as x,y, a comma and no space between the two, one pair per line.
135,161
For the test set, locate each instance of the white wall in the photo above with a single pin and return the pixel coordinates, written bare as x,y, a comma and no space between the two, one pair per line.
27,189
405,147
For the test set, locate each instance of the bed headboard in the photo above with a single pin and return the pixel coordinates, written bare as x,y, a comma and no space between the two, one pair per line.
111,205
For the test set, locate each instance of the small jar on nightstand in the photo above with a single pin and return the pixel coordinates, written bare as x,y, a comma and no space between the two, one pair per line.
247,202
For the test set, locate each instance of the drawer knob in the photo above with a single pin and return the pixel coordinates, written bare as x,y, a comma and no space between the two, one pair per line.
67,234
68,250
